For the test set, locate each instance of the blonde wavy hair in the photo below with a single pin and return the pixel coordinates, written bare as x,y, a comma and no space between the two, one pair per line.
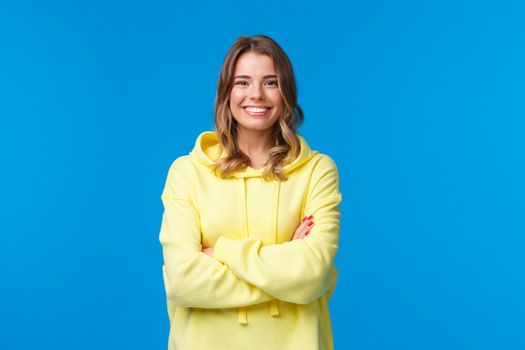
287,144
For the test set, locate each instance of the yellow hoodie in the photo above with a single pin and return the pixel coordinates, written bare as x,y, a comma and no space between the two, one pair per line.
261,290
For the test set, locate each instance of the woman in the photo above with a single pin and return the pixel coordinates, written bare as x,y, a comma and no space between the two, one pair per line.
245,267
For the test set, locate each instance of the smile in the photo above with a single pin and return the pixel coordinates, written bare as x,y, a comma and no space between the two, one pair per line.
257,111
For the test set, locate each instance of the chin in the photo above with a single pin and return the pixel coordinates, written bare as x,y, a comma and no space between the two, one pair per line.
257,125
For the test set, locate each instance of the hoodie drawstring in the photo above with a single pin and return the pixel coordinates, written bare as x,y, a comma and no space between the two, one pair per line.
242,312
273,305
243,315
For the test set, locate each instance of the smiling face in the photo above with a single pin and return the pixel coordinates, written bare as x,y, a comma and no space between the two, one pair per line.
255,99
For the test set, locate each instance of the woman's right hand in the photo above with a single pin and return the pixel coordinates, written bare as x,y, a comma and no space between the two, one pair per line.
304,228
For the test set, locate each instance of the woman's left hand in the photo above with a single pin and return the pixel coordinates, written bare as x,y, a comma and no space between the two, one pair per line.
304,228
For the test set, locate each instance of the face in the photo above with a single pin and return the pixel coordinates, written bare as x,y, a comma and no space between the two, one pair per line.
255,99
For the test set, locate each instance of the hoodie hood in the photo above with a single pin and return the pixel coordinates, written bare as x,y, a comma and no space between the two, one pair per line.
208,150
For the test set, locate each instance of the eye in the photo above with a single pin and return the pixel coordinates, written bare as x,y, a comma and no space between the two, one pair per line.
240,82
272,82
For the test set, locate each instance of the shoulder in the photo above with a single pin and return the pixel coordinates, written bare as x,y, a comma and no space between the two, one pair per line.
181,166
324,174
180,170
178,184
322,162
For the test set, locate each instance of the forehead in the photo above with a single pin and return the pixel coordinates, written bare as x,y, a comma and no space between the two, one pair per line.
254,64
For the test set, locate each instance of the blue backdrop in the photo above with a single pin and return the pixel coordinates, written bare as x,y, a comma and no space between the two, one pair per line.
421,105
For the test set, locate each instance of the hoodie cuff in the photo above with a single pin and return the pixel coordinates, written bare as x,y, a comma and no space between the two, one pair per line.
224,247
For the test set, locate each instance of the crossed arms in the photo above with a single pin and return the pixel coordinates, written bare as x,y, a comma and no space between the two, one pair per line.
243,272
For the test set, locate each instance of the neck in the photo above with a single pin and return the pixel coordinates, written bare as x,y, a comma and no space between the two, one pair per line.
255,143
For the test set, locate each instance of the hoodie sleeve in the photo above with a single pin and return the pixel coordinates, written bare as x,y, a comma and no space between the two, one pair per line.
302,270
192,278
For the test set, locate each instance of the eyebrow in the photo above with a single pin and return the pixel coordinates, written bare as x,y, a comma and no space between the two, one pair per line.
248,77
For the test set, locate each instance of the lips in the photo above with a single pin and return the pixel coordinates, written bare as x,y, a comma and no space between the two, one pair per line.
256,107
256,110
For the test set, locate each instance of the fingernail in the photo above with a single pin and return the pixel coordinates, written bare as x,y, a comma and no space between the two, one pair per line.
311,216
310,223
307,232
304,218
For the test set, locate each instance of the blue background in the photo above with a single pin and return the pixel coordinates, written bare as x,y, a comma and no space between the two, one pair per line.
421,105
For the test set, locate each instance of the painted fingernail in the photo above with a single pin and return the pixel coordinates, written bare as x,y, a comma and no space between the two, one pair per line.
311,216
307,232
310,223
304,218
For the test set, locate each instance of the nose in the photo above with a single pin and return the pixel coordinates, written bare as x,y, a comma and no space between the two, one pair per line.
256,92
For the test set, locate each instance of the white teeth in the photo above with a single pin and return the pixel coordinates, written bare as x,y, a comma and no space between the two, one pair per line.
255,109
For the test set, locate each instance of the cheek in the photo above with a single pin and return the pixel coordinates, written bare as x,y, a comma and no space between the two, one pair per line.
235,98
235,102
277,99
